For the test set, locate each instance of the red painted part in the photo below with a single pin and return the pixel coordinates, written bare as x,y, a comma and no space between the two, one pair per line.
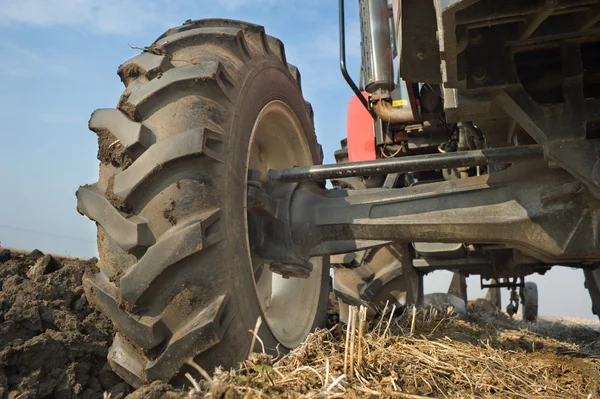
361,133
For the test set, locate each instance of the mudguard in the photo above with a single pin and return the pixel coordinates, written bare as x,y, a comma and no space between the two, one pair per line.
360,132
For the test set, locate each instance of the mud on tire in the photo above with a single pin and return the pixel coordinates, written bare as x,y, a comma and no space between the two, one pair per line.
175,275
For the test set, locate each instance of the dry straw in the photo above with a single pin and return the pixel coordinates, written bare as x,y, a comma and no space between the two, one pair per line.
423,353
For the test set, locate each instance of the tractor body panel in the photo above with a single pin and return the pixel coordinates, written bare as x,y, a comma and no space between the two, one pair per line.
361,134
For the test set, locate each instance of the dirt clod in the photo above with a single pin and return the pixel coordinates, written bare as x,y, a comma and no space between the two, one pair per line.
111,151
483,307
129,72
114,199
44,265
128,108
169,213
52,343
156,390
4,255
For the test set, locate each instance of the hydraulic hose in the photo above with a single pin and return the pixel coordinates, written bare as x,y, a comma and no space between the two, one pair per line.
389,114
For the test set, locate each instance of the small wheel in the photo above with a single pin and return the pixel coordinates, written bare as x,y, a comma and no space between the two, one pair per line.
529,298
592,283
205,103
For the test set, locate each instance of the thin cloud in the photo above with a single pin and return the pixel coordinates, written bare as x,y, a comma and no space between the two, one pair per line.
20,62
112,17
121,17
63,118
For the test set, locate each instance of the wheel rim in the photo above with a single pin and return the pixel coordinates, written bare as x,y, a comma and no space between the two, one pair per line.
288,306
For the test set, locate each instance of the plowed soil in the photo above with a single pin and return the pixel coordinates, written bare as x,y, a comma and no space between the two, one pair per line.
54,345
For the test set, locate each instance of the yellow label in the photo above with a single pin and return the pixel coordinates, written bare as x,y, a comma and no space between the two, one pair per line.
399,103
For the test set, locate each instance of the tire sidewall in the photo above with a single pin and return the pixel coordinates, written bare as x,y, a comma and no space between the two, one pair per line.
530,301
266,82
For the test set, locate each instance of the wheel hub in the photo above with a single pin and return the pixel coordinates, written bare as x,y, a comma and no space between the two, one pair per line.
278,141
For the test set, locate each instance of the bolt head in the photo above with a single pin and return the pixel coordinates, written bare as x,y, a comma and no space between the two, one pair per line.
292,270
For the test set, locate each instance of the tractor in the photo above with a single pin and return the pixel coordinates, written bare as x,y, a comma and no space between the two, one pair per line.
473,147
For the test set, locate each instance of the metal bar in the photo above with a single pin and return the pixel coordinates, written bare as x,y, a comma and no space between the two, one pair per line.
535,22
592,20
516,282
416,163
351,83
574,4
474,262
413,89
499,21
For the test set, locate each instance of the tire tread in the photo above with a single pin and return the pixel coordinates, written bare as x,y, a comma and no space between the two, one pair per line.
153,344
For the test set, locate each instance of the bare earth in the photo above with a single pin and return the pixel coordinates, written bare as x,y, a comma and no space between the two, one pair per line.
53,345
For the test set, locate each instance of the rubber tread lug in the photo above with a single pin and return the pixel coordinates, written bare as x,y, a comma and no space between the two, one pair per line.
129,133
200,333
296,74
145,64
199,35
129,233
223,36
277,48
180,79
311,112
127,363
146,331
212,23
200,141
175,245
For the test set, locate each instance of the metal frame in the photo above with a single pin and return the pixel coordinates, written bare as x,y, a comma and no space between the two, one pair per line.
343,68
511,283
516,220
560,128
484,82
541,212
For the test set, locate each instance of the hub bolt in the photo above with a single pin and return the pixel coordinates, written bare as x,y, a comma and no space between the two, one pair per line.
296,270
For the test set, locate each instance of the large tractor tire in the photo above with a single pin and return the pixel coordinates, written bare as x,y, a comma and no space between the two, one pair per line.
205,103
379,276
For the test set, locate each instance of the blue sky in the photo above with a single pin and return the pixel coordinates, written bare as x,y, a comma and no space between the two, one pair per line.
59,63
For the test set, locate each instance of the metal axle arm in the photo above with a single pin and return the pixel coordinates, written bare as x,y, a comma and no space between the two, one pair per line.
544,212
